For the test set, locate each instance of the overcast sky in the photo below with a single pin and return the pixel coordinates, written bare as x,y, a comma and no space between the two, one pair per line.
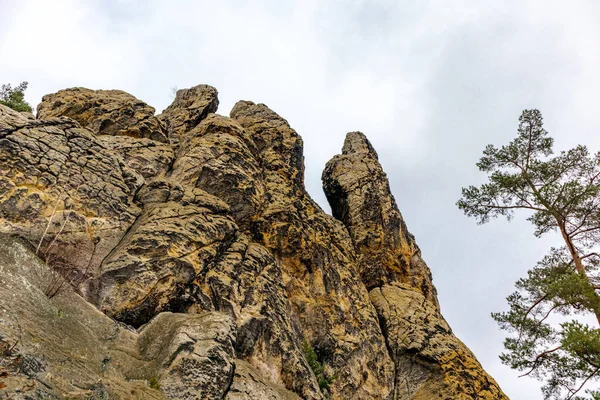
429,82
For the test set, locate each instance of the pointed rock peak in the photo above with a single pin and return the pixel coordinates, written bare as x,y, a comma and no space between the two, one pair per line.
357,142
242,107
200,97
189,108
280,146
359,193
248,109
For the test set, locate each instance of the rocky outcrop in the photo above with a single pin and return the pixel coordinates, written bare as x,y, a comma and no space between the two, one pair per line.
104,112
227,280
70,350
317,260
179,234
185,254
219,157
430,362
188,109
64,191
248,385
149,158
359,194
62,347
247,284
193,354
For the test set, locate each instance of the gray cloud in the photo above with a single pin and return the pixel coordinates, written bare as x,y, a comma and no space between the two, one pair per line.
430,83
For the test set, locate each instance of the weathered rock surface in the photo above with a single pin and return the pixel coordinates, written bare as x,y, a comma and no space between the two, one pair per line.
247,284
188,109
149,158
193,354
179,234
248,385
430,362
209,244
318,264
62,190
70,349
104,112
219,157
62,347
184,253
359,194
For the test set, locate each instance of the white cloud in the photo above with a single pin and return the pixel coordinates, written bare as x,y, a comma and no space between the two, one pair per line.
61,44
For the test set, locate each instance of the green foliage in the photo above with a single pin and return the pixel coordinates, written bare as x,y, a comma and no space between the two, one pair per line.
15,98
522,177
153,383
594,395
566,354
317,367
562,193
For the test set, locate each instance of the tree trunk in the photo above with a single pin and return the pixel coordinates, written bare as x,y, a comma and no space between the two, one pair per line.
579,267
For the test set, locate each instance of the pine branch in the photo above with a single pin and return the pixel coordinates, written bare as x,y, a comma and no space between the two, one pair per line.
583,383
540,357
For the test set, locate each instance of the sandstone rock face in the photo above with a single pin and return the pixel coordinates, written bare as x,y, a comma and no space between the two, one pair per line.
64,348
63,190
248,385
316,257
430,362
104,112
72,350
217,156
247,284
359,194
185,253
193,352
179,234
149,158
225,277
187,110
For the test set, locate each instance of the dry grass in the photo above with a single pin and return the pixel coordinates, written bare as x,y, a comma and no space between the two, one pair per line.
62,275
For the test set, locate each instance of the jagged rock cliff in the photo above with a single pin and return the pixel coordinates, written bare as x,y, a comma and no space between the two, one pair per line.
430,362
179,256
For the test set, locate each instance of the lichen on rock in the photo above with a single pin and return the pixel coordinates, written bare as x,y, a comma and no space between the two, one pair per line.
359,194
210,267
188,109
318,263
430,362
62,190
104,112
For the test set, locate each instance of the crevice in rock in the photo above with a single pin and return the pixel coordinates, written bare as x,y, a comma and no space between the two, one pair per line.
126,235
391,353
229,382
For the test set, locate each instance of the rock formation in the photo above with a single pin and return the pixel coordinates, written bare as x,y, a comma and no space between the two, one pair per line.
104,112
187,110
56,177
213,273
430,362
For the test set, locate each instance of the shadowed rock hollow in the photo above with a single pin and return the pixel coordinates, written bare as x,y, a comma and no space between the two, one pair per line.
181,257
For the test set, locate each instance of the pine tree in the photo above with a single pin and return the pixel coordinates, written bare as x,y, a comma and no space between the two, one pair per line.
15,98
561,193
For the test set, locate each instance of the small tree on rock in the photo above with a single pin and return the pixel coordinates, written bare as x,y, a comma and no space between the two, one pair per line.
15,97
562,194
